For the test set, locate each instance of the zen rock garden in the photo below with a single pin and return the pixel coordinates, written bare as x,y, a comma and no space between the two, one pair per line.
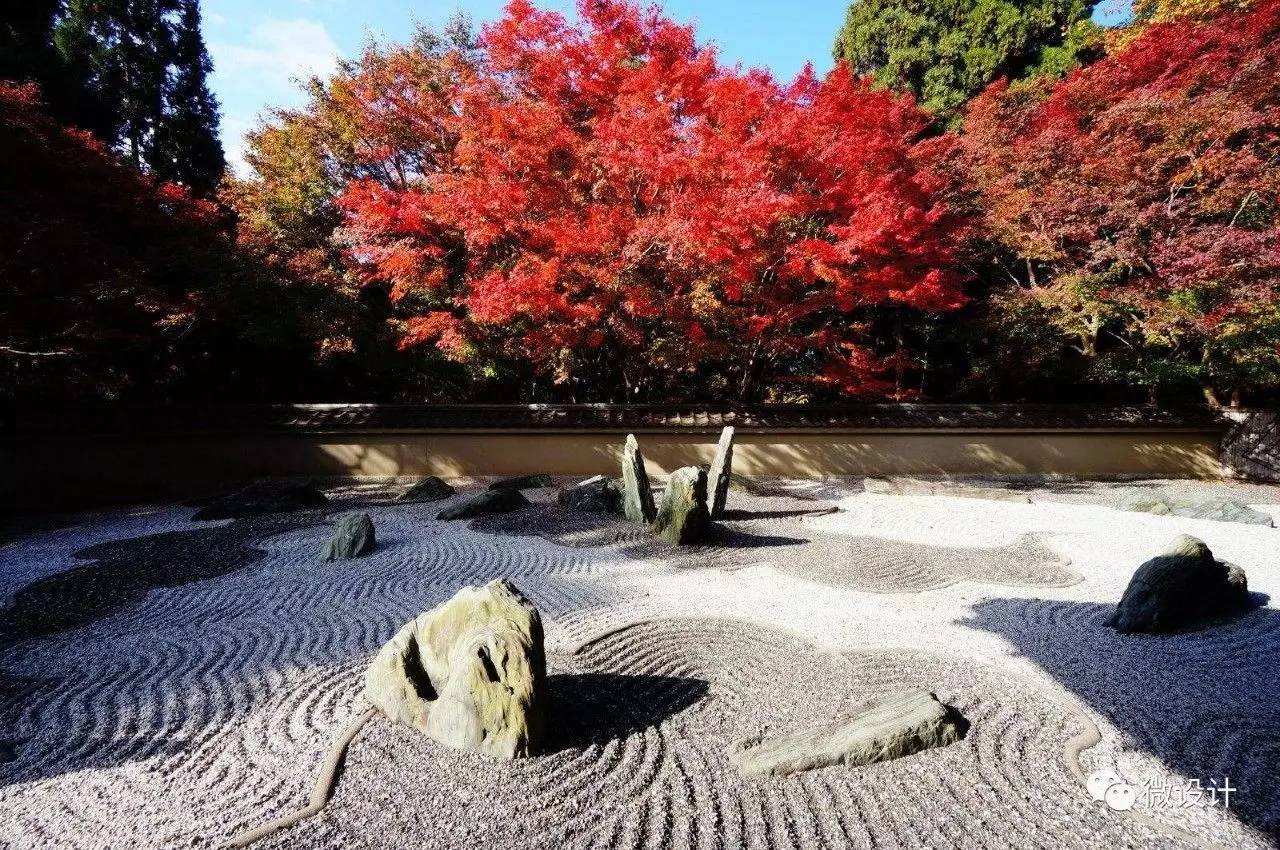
622,660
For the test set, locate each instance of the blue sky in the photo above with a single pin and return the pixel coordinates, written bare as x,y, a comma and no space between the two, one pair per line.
261,48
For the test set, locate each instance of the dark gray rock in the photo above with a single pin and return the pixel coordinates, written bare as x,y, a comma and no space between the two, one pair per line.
1184,587
1217,509
637,497
263,497
352,538
597,495
523,482
484,504
684,518
892,727
430,489
721,473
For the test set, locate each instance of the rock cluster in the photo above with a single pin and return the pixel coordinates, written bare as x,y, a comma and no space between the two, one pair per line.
1183,587
470,673
897,725
352,538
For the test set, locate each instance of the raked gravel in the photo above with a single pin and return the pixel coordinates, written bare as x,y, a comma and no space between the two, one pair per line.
206,708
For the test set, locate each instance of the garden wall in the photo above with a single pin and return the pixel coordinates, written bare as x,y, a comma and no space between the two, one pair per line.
123,455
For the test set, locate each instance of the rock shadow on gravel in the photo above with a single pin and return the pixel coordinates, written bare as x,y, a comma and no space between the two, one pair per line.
1203,703
123,572
592,709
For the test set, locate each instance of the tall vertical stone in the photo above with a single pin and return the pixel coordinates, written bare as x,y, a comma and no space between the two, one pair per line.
683,518
637,498
721,472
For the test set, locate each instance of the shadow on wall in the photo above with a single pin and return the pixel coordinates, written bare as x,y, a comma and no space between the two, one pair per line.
1204,703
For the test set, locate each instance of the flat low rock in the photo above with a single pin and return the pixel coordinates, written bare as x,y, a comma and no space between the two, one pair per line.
900,486
683,517
484,504
1218,509
1183,587
263,497
595,495
470,673
353,537
429,489
523,482
894,726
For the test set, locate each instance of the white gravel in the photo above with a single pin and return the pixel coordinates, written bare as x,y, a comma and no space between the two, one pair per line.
206,708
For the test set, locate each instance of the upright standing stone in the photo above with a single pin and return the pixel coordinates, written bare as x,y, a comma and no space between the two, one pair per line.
684,518
637,498
721,472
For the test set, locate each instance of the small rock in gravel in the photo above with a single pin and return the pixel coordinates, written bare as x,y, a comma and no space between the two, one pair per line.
430,489
1183,587
263,497
484,504
353,537
597,495
897,725
523,482
470,673
683,518
637,497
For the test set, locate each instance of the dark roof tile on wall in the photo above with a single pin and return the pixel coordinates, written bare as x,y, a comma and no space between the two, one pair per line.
178,419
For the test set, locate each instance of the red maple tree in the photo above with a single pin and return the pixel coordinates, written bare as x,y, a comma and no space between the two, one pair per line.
607,198
1142,195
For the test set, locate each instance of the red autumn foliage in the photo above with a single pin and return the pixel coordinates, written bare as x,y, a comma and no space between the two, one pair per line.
607,193
98,259
1144,193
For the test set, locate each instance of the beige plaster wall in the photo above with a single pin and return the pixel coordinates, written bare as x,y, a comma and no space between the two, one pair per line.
87,471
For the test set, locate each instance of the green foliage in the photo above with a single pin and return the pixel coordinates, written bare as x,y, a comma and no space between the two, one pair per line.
946,51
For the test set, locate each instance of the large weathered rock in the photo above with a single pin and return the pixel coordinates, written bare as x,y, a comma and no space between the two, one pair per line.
596,495
1184,587
471,673
683,517
430,489
263,497
484,504
1217,509
523,482
721,473
352,538
889,728
637,497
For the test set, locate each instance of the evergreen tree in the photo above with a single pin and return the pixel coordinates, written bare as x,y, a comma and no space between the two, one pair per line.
946,51
135,73
187,147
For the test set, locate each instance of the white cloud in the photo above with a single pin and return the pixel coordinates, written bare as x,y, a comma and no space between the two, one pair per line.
279,52
263,70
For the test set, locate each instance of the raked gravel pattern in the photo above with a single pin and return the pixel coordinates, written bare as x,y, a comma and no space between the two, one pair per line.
207,707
